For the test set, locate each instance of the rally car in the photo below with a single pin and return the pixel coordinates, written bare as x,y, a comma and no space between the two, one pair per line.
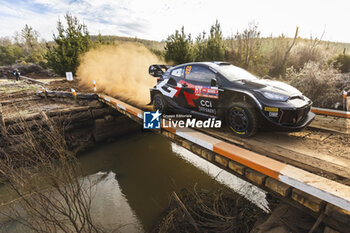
232,94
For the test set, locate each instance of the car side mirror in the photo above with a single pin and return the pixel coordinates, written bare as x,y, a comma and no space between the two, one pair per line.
213,82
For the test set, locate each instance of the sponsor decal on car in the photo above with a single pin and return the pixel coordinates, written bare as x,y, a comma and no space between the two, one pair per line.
206,106
209,92
273,112
271,109
169,91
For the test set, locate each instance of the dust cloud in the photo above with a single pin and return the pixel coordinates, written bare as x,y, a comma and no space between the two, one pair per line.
120,70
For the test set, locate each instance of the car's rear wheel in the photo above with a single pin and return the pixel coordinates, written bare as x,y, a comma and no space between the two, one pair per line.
159,103
241,118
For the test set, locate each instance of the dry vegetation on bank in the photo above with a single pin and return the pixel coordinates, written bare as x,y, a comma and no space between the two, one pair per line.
208,211
44,179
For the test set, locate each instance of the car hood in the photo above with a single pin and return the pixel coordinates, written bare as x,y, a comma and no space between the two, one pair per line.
270,85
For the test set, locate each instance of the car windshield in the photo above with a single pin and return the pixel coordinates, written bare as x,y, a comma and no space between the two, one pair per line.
234,73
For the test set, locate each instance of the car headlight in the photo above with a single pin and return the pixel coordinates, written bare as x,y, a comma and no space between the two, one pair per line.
274,96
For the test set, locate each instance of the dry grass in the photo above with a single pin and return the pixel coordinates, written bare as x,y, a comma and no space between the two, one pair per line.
215,211
45,177
323,85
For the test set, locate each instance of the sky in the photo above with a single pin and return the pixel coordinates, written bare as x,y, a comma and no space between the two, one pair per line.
157,19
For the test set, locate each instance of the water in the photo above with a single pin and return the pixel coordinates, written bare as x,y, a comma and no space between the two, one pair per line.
136,176
138,173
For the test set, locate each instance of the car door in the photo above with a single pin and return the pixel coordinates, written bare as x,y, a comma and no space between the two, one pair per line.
199,94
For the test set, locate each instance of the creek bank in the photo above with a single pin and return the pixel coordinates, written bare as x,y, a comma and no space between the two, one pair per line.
85,122
208,211
225,211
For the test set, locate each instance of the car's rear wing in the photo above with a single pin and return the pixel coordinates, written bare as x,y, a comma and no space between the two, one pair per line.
158,70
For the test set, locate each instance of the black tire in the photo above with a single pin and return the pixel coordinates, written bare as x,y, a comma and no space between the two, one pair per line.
159,103
242,119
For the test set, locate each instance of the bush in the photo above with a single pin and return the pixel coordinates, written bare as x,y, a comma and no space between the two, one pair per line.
343,62
9,54
304,53
317,83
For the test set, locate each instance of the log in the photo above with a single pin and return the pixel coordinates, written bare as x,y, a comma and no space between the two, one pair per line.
6,102
50,113
101,112
95,104
73,117
27,117
109,129
79,140
67,94
78,125
33,80
65,111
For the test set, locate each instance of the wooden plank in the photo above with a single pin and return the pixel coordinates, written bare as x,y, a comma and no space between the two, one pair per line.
304,161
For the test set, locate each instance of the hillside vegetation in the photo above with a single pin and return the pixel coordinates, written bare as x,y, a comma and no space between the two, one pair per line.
308,64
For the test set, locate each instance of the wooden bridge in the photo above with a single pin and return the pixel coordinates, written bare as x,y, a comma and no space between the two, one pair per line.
325,196
286,165
316,183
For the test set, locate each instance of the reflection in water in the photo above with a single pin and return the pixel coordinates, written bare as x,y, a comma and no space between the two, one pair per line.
249,191
143,170
110,207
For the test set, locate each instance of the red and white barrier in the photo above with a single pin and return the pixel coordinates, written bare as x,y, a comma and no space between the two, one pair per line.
94,86
330,112
74,93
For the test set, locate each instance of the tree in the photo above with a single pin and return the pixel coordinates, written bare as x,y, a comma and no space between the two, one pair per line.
215,50
71,42
200,47
26,48
279,57
179,47
29,39
249,44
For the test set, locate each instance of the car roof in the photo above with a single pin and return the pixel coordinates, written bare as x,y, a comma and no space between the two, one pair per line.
213,64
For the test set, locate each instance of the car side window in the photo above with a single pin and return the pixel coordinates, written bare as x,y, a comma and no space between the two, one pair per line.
177,72
199,74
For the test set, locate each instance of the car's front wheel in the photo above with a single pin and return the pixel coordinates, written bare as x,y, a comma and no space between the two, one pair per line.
242,119
159,103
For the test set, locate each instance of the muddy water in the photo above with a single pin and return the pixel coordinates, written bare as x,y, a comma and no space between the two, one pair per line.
138,174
